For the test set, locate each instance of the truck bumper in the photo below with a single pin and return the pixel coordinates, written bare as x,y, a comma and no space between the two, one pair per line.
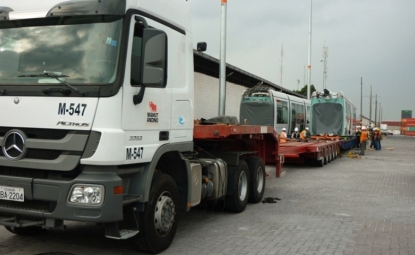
48,199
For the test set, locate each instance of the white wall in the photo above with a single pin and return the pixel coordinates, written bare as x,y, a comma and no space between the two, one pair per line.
207,97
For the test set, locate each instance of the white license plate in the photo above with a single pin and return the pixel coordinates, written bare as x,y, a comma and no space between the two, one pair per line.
12,193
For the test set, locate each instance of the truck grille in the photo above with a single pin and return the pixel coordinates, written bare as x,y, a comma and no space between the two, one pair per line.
40,154
23,172
29,205
46,149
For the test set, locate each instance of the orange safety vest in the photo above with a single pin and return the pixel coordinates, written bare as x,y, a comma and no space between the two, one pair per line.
303,135
363,136
283,137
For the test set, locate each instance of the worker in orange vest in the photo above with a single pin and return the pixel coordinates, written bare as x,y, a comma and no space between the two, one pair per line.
283,135
363,139
304,135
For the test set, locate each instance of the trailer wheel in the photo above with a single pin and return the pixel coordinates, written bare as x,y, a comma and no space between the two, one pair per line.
257,184
238,200
158,223
325,157
320,162
26,231
329,156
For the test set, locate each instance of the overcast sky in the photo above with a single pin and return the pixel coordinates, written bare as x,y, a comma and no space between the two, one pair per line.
372,39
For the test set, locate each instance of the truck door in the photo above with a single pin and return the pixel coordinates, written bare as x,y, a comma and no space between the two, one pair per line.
147,123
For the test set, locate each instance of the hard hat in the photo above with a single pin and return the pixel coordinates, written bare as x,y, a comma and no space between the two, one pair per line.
363,128
306,128
295,129
284,129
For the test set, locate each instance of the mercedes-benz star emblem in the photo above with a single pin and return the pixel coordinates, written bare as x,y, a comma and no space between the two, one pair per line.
14,145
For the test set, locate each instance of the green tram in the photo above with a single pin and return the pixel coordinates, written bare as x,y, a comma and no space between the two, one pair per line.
332,114
262,105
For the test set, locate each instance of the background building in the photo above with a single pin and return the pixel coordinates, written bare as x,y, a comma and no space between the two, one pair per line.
207,86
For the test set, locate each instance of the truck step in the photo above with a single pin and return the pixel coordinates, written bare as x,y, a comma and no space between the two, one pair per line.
127,199
112,231
124,234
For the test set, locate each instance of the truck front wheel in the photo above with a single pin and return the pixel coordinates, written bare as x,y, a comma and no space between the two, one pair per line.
238,200
158,223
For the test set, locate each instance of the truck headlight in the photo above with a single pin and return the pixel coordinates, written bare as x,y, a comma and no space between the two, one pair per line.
86,194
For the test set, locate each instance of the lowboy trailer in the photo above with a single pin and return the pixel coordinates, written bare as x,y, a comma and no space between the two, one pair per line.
320,152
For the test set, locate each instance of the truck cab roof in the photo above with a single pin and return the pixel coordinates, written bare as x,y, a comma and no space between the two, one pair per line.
156,8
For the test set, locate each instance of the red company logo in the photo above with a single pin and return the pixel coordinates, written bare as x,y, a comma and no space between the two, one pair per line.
153,107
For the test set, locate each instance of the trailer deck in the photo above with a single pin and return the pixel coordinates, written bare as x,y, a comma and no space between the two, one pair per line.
347,142
322,151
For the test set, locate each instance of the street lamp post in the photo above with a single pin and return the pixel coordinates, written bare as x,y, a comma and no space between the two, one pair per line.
370,106
324,60
309,52
222,64
361,99
376,109
377,113
380,113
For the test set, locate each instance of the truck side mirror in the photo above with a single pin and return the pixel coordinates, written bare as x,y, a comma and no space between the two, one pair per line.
201,46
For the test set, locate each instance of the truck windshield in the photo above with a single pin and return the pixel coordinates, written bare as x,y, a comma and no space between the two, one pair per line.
83,48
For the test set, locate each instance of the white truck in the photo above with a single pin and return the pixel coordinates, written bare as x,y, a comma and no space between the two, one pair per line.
96,100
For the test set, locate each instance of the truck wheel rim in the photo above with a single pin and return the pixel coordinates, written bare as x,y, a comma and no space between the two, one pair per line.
260,179
164,213
242,186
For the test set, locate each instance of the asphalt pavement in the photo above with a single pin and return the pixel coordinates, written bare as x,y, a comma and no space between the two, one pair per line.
350,206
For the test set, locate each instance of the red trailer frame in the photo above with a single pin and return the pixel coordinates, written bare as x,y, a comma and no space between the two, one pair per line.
247,140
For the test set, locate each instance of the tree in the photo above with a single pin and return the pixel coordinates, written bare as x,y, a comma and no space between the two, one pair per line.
303,91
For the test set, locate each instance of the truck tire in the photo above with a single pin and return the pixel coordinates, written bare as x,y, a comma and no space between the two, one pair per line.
257,184
239,199
158,223
27,231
